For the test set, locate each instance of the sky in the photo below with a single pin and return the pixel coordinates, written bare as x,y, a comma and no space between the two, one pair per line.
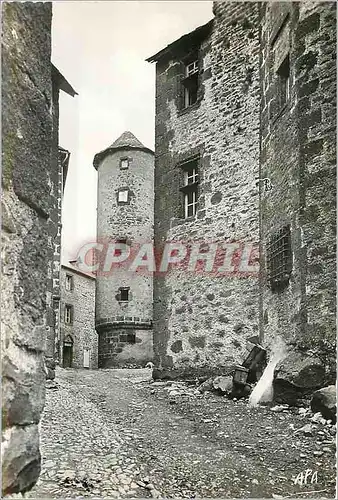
100,48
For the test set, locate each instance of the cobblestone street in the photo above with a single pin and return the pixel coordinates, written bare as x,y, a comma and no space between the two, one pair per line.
112,433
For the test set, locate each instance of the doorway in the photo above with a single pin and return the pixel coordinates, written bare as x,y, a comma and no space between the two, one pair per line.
67,352
86,358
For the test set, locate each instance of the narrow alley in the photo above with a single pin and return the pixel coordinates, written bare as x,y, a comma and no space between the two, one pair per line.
116,433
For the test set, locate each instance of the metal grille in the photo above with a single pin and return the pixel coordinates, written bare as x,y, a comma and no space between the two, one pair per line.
279,258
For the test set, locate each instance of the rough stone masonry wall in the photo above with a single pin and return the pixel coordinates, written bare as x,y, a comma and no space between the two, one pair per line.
298,155
202,322
54,222
82,330
26,251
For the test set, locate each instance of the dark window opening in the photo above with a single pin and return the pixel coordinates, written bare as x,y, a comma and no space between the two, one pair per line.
279,259
190,187
124,294
122,241
283,75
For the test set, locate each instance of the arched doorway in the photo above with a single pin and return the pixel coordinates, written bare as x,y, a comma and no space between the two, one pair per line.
67,352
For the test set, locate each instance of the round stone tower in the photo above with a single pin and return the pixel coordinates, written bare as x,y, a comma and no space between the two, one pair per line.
125,214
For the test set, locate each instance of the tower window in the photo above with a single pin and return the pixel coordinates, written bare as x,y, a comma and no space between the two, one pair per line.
68,314
190,83
283,75
124,163
124,294
121,241
69,282
123,196
190,187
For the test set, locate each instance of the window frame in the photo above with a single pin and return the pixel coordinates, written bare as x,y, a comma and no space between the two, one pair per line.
69,279
188,204
69,308
191,81
124,159
122,202
190,189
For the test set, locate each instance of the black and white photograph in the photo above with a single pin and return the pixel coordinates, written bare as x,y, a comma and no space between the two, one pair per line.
168,249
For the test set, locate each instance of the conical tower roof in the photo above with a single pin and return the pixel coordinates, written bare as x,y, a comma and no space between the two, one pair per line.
126,141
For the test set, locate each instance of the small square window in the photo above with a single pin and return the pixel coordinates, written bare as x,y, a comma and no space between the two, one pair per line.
68,314
123,196
124,163
69,282
124,294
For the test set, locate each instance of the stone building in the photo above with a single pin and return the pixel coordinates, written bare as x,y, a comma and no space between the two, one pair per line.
124,299
60,160
298,155
28,199
245,149
207,123
78,338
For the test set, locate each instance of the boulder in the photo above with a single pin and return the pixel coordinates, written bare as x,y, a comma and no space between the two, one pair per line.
206,386
223,384
21,459
307,430
296,377
240,391
324,401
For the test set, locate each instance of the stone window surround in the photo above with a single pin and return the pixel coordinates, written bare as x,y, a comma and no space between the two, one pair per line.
126,159
280,48
120,190
283,82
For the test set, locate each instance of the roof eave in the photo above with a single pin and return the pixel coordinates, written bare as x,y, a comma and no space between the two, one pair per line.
63,84
199,34
99,157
